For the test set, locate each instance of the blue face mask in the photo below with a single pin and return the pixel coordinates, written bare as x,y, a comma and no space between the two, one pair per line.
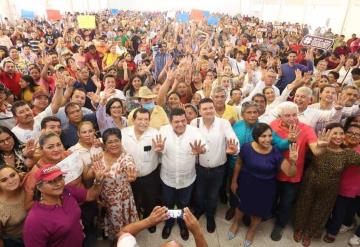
149,106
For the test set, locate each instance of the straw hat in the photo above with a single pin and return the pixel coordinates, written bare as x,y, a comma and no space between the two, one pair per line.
145,93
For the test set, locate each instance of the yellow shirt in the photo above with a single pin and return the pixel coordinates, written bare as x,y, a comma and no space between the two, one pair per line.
230,114
110,58
158,117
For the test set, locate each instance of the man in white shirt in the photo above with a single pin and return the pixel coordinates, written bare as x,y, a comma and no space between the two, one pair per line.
180,146
269,81
238,65
29,127
137,140
110,84
221,140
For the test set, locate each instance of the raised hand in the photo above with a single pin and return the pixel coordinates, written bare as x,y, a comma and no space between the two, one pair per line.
339,103
323,138
131,173
294,132
158,143
231,146
96,81
298,75
293,152
29,149
197,147
93,97
342,59
98,166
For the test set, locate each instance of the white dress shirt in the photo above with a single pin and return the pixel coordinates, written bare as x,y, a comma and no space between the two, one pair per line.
259,88
25,134
177,161
216,137
146,161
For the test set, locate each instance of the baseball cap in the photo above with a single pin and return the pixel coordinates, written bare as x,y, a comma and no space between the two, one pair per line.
47,173
127,240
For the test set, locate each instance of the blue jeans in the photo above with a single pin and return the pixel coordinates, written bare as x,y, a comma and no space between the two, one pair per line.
287,193
208,183
180,197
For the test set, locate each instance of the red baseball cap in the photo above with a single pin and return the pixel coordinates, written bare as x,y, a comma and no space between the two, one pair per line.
47,173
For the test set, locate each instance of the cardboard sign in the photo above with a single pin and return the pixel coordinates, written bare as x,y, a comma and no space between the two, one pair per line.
262,29
196,15
72,167
27,14
86,21
115,11
182,17
53,15
213,20
317,42
251,24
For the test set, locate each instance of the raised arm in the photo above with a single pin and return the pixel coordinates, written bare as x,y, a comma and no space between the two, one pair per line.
161,100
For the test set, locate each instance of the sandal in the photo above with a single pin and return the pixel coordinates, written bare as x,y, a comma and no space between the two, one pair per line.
328,238
306,241
233,230
298,236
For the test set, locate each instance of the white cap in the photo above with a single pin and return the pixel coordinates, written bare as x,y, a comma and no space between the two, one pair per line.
127,240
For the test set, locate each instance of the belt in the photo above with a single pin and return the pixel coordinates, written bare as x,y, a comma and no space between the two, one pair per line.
211,168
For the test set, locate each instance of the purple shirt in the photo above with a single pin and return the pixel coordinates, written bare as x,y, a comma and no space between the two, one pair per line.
56,226
288,73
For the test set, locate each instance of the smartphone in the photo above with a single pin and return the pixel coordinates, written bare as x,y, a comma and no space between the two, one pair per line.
175,213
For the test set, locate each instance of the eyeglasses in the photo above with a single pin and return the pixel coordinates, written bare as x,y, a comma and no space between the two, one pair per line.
7,139
352,134
116,107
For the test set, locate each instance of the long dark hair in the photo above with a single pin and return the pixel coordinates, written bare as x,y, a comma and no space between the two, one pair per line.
32,83
16,142
129,86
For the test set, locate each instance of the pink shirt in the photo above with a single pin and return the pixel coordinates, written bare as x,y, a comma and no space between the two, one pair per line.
350,180
306,136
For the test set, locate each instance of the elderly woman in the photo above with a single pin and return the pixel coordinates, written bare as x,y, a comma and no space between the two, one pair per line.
54,220
117,195
255,174
12,211
320,185
110,114
88,145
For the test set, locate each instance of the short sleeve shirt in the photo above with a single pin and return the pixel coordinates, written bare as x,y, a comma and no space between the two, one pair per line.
307,135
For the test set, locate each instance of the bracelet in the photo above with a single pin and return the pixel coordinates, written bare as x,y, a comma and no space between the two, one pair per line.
96,182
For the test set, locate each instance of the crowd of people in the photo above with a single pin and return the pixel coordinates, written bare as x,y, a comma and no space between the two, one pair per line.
105,131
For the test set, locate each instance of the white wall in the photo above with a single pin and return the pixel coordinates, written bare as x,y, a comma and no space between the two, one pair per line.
341,15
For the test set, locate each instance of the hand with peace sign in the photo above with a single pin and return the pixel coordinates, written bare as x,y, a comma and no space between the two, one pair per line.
98,166
231,146
197,147
159,143
294,132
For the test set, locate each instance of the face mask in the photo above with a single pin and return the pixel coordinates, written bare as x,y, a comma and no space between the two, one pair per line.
149,106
